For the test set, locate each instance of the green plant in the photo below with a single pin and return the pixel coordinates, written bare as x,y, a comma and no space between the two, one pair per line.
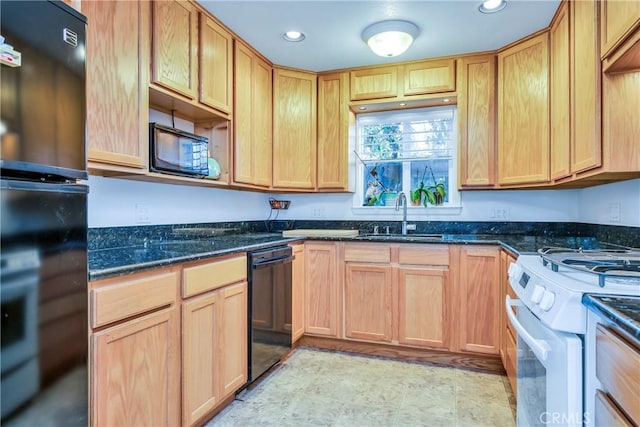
434,194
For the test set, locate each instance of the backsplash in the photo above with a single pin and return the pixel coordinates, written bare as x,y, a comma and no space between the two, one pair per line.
111,237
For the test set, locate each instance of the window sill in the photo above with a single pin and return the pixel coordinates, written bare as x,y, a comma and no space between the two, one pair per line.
413,212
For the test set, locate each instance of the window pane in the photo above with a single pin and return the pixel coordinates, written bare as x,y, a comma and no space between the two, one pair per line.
381,181
421,171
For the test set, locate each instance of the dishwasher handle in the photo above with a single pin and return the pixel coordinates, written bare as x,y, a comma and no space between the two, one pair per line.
265,262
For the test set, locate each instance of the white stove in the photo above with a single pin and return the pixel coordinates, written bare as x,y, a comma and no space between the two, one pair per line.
551,323
551,284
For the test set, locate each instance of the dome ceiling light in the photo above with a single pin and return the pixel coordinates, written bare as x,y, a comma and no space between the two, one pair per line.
390,38
293,36
492,6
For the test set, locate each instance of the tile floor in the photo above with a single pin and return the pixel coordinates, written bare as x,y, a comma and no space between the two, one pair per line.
322,388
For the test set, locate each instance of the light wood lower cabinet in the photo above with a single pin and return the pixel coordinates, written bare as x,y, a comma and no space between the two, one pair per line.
322,289
233,338
479,309
424,296
508,343
368,302
136,372
297,292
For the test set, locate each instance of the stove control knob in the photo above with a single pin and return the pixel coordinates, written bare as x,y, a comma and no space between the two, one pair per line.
536,296
547,300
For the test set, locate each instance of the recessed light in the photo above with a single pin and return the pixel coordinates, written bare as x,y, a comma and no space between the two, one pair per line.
446,100
403,104
293,36
492,6
362,108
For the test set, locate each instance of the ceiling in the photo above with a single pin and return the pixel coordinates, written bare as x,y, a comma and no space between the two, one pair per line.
333,28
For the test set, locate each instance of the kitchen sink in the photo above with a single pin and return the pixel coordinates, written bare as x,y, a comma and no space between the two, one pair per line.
400,237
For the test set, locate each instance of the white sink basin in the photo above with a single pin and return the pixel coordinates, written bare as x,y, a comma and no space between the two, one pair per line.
309,232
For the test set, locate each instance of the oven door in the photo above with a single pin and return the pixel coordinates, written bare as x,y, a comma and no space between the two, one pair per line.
549,371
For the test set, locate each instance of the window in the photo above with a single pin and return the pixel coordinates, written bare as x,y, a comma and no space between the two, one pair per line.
410,151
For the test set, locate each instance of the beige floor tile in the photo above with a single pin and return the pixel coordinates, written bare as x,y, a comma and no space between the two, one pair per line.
322,388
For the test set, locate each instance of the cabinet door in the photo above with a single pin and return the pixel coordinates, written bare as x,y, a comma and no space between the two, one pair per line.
216,65
425,77
233,361
200,393
321,293
374,83
252,118
117,111
479,308
297,293
136,372
294,129
476,120
175,46
368,302
560,94
523,112
586,142
242,119
509,335
424,307
617,20
262,123
333,131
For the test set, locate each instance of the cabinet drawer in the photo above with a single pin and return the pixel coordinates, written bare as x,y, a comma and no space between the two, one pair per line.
424,254
205,277
132,296
606,412
367,253
618,369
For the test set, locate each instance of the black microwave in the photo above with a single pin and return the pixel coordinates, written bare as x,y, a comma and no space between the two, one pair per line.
176,152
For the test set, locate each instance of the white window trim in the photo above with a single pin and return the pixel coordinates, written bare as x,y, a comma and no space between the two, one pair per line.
453,207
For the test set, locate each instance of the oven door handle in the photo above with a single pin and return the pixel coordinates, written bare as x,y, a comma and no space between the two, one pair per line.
539,347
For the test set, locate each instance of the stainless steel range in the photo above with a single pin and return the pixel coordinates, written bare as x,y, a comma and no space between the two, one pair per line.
551,322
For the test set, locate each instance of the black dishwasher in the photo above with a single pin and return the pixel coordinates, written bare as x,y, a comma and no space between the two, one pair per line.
269,308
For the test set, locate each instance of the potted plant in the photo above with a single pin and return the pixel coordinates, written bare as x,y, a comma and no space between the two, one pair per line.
433,194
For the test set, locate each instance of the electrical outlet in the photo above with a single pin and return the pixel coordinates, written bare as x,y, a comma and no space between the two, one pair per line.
614,212
143,213
318,213
499,213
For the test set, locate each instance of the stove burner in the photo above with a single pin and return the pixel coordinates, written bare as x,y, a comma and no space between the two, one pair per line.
618,262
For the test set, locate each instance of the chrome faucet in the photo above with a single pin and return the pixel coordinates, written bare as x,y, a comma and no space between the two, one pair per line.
401,200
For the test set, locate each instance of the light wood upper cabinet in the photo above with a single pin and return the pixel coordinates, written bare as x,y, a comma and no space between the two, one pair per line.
407,80
216,65
586,143
618,19
368,302
322,289
136,372
479,301
252,118
374,83
294,129
174,59
425,77
297,292
424,312
560,94
333,131
523,112
116,90
477,121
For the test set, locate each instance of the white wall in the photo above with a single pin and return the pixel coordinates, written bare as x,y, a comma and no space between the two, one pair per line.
611,204
118,202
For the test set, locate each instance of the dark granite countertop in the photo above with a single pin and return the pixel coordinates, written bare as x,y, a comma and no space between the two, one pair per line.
152,253
621,311
166,249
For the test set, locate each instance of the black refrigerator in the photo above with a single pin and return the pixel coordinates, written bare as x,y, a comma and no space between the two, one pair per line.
43,252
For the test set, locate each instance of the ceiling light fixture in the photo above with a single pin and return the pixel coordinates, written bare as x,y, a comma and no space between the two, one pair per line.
492,6
293,36
390,38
